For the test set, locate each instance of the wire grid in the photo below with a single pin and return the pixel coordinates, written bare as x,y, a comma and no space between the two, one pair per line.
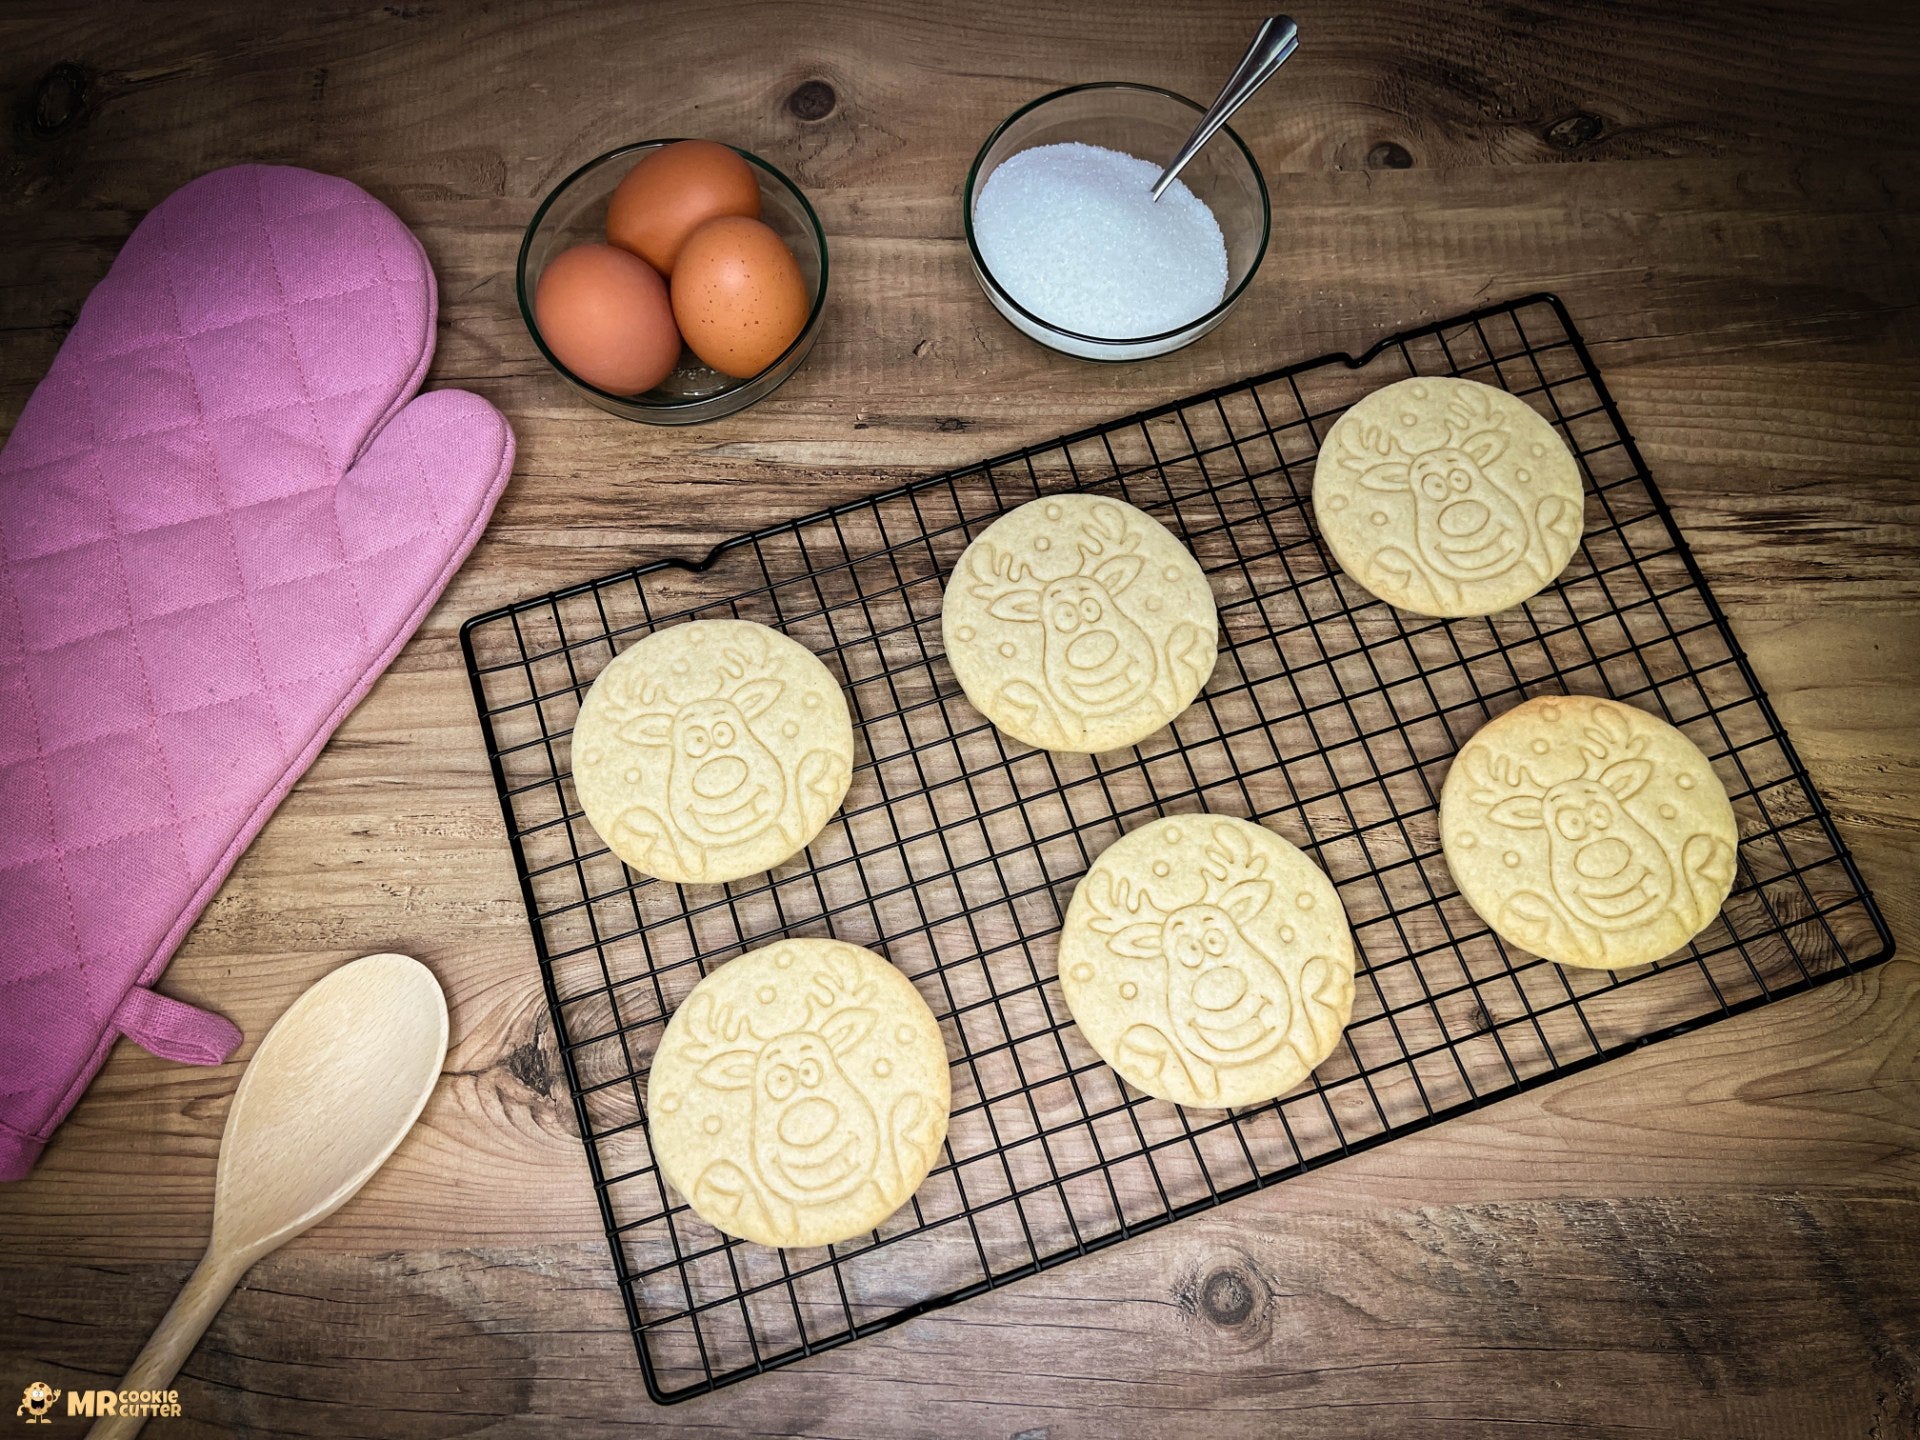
1330,717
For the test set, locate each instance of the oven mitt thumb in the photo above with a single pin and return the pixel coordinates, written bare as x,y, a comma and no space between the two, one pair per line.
222,513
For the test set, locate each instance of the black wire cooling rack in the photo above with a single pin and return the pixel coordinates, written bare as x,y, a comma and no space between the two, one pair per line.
1331,717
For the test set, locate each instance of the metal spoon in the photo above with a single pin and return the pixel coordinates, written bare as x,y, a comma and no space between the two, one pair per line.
1273,42
331,1091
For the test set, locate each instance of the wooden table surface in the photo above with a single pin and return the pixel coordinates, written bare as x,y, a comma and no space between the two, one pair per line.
1719,1236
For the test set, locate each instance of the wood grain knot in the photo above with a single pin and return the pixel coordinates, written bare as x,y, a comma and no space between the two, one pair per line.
813,100
1226,1297
529,1065
61,101
1577,129
1389,156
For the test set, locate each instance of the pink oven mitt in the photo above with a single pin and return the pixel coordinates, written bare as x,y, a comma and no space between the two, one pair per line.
221,515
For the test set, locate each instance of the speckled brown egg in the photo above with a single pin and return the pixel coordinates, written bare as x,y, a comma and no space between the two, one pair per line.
738,295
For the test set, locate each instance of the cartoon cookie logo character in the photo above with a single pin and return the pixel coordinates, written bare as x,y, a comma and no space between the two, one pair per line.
815,1136
1228,1002
1609,873
1468,524
725,784
1095,658
35,1403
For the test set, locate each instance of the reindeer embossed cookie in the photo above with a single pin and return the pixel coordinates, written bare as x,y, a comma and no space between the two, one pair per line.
1447,497
800,1094
1079,624
1208,961
712,750
1588,831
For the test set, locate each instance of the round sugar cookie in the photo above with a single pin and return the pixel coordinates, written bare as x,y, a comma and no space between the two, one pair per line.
712,750
1588,831
1447,497
800,1094
1208,961
1079,624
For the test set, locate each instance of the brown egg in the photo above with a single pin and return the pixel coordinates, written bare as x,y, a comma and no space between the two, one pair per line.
738,296
675,190
607,316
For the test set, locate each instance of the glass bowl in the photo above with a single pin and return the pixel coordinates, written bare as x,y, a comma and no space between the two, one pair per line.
575,213
1150,123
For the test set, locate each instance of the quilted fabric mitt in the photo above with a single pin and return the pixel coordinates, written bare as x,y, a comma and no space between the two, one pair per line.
222,513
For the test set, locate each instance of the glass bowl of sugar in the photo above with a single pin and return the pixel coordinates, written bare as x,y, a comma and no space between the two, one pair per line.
1070,246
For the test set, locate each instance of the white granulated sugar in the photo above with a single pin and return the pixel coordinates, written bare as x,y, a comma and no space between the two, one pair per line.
1072,232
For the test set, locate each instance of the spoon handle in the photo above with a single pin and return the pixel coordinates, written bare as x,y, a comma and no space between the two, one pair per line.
173,1340
1276,39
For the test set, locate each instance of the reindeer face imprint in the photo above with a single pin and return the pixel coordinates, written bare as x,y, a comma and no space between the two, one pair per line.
1473,501
1079,624
800,1093
712,750
1208,961
1615,842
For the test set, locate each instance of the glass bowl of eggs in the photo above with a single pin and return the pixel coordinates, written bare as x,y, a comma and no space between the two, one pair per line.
674,281
1069,244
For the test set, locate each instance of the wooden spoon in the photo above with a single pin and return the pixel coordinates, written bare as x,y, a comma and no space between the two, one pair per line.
334,1087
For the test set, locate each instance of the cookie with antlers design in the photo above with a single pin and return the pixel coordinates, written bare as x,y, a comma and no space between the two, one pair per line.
1588,831
712,750
800,1094
1208,961
1079,624
1447,497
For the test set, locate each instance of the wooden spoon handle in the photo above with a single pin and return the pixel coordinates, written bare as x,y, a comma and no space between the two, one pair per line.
173,1339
